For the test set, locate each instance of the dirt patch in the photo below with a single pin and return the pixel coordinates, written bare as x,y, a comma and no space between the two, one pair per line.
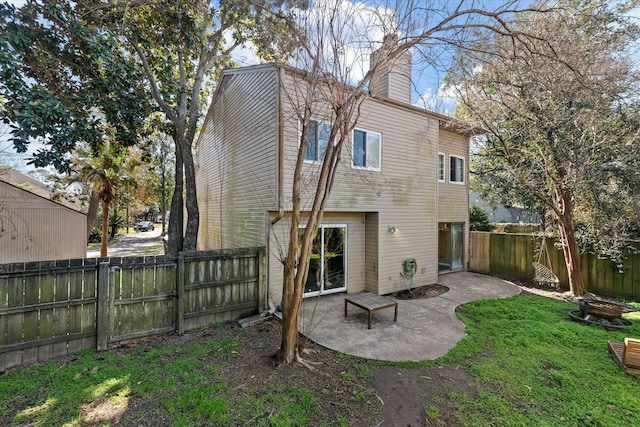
339,390
419,397
528,288
347,390
385,396
427,291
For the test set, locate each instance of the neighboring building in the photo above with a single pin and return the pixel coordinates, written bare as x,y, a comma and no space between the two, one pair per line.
34,228
501,213
21,180
401,190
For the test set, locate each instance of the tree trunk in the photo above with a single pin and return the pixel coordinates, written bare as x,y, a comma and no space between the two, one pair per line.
572,259
92,213
291,303
126,217
105,229
163,179
175,237
191,199
290,310
569,244
290,307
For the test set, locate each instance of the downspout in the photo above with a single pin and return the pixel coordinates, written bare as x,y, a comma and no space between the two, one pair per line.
467,232
444,167
280,173
280,193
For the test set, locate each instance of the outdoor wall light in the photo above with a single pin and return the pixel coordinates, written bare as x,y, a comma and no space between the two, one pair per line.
392,229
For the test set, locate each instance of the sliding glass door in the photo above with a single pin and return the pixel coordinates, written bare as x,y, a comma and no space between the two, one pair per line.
450,246
457,246
327,266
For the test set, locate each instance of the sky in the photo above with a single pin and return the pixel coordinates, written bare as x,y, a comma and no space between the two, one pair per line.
361,28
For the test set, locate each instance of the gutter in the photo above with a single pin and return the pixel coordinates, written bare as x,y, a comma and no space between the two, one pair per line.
280,74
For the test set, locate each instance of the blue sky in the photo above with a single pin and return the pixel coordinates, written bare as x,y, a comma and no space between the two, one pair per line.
362,29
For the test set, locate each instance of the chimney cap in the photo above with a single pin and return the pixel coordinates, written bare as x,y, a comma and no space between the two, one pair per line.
390,40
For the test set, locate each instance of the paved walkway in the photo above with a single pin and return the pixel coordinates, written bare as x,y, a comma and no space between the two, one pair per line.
132,244
426,328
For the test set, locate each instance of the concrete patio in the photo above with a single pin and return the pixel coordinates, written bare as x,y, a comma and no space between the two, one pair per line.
426,328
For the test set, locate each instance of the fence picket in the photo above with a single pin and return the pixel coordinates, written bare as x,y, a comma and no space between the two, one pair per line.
635,280
510,256
51,308
31,325
75,311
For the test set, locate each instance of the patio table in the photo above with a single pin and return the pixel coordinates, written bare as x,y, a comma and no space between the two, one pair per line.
371,302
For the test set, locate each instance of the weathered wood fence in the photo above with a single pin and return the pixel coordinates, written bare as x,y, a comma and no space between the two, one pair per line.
511,256
54,308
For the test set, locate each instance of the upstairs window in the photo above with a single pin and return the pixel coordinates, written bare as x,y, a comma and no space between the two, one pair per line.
456,171
441,166
366,149
318,141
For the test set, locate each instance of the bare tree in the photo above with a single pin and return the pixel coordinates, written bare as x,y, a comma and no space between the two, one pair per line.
335,86
560,112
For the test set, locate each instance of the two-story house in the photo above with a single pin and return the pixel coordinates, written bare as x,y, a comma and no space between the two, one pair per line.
397,215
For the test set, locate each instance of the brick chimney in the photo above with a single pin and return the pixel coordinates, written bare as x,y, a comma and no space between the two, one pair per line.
392,80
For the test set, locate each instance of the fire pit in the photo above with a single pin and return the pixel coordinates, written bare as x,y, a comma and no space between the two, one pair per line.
600,311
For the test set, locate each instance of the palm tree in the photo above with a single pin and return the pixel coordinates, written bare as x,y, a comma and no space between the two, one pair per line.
101,170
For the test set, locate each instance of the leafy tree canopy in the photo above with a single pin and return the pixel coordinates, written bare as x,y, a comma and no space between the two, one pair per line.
560,112
181,47
65,82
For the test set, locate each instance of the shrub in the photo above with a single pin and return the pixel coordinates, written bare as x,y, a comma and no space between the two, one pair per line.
95,236
479,219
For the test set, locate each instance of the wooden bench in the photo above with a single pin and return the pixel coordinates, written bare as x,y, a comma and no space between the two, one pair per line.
371,302
626,354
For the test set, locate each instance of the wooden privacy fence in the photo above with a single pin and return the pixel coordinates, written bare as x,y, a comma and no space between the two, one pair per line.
511,256
54,308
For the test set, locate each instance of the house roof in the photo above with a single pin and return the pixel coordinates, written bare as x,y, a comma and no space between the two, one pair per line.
17,178
38,196
445,122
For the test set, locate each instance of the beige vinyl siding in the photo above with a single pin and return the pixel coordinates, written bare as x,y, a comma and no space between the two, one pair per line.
371,242
36,229
400,79
394,80
239,171
355,223
403,192
453,198
237,158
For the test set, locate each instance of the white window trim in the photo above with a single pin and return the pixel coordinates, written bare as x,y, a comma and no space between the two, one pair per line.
301,227
311,162
464,172
368,168
444,167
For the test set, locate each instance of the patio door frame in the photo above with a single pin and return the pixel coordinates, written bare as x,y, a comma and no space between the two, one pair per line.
452,245
321,234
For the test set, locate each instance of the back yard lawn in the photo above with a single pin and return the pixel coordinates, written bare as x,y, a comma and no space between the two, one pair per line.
522,363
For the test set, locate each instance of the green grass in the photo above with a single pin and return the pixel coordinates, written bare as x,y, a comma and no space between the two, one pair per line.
530,364
533,365
173,381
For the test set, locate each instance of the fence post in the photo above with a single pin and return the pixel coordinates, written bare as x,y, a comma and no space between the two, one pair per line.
261,279
180,294
102,320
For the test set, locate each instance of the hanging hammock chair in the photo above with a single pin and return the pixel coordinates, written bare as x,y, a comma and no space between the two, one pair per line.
544,276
